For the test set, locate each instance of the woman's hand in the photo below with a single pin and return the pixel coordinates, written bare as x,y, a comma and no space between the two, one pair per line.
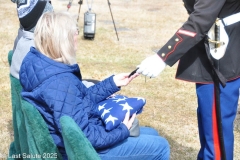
122,79
129,121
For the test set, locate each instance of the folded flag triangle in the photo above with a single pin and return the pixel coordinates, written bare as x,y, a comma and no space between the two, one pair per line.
114,108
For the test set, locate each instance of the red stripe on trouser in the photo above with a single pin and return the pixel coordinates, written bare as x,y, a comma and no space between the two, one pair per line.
216,144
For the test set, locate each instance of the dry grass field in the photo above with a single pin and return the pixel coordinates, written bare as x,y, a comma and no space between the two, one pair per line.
143,27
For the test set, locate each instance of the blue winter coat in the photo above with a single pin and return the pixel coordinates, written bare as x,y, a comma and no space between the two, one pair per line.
56,89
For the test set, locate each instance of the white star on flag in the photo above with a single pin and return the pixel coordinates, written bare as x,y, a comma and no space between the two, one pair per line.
140,98
111,118
120,99
101,107
105,112
126,107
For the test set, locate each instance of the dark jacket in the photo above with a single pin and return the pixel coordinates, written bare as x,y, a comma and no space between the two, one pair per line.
187,44
56,89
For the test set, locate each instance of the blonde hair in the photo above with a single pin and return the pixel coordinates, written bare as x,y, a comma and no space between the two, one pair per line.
54,36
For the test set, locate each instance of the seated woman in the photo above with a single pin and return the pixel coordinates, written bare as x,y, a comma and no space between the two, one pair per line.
51,81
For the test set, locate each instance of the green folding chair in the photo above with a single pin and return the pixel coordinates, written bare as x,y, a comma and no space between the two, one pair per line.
77,146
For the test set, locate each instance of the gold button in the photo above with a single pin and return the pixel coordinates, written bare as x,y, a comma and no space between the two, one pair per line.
176,39
163,54
169,47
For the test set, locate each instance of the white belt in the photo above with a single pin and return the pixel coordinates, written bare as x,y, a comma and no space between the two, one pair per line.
231,19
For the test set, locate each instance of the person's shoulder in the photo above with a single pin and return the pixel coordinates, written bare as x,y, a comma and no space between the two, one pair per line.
66,79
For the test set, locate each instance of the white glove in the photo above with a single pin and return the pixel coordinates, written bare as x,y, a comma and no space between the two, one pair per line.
151,66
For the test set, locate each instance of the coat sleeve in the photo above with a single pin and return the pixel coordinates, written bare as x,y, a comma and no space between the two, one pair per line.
102,139
70,97
94,129
193,30
99,91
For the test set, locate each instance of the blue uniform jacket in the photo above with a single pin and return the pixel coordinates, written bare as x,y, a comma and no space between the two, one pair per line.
56,89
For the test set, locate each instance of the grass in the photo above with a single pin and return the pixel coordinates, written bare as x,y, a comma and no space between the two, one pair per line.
143,26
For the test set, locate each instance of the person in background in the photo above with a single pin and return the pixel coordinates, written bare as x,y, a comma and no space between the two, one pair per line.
29,11
52,82
203,58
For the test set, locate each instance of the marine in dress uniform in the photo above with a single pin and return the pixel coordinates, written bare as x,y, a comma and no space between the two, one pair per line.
188,47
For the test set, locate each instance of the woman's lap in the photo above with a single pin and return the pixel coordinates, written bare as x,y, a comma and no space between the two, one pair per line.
149,131
148,146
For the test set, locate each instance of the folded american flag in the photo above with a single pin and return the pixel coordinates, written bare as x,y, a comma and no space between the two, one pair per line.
113,109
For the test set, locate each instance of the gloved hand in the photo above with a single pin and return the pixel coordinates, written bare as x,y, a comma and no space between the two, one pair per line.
151,66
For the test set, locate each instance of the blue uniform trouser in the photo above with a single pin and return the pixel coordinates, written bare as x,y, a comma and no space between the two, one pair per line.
147,146
207,123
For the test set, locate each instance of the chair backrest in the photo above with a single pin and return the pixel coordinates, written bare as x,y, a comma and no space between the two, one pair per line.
40,142
10,54
76,144
31,134
17,115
